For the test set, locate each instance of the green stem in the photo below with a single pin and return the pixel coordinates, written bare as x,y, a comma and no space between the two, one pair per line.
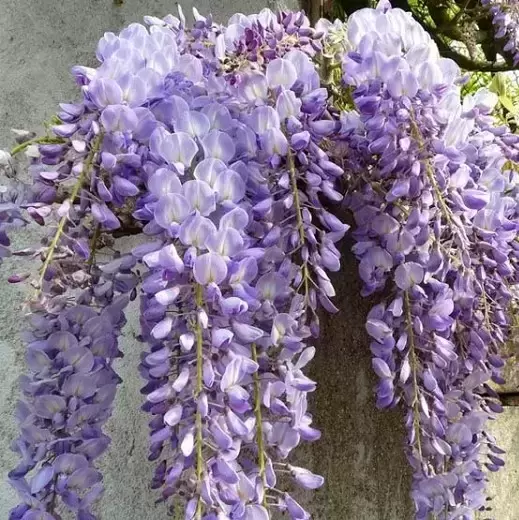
61,225
432,179
430,173
486,309
414,369
446,211
37,140
299,217
259,420
198,390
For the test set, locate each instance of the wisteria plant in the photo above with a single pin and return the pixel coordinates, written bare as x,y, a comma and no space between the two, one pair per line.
229,151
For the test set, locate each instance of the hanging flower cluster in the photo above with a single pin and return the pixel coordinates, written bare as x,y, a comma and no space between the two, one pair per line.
505,16
228,298
226,149
211,140
75,318
432,190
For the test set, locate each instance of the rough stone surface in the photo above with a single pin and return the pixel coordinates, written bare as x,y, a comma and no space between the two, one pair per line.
360,451
504,485
511,371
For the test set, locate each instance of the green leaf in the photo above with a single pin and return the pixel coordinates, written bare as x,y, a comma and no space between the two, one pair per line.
498,85
508,104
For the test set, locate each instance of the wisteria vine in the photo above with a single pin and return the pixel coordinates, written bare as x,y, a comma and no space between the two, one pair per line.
504,15
227,150
432,186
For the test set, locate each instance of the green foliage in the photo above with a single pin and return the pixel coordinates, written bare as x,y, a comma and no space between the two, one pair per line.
476,81
506,86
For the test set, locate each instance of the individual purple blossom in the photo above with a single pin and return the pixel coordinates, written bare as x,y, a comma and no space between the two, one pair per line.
12,196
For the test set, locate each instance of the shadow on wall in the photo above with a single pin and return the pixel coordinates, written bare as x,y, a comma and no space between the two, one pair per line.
361,449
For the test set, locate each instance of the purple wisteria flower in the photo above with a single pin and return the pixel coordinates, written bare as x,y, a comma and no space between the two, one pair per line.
505,18
220,146
228,299
74,322
432,195
212,140
12,195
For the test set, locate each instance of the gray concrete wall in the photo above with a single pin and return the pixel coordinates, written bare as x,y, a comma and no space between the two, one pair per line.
360,451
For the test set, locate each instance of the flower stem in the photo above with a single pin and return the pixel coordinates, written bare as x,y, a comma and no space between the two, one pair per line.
61,225
259,421
299,217
446,211
414,369
198,390
38,140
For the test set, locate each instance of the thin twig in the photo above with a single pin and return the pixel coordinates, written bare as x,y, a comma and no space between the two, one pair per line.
61,225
